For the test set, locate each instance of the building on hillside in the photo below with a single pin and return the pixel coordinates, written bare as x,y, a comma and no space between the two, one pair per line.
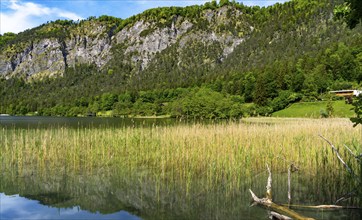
347,94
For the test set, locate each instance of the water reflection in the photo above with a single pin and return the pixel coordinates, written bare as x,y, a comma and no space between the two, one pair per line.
17,207
114,194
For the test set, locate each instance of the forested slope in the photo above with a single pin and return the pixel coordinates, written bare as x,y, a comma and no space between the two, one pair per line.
199,61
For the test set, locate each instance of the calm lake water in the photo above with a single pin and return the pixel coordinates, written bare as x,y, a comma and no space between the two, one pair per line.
93,122
107,193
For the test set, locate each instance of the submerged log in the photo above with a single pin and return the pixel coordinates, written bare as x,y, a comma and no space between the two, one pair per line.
282,212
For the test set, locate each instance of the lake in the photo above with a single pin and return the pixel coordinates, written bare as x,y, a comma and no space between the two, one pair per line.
111,168
93,122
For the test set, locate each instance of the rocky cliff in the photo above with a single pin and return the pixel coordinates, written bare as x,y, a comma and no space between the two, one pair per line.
41,54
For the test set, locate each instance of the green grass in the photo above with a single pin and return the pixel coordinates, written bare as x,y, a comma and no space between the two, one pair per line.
313,110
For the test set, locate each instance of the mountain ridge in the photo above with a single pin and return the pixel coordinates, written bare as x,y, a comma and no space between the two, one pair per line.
90,41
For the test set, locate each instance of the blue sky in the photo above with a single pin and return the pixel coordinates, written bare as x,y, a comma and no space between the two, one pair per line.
19,15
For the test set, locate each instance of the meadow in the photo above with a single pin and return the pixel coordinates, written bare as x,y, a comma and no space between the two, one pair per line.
196,158
316,109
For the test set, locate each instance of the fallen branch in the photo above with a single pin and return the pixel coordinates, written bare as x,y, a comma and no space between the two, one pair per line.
283,212
358,179
354,155
340,159
346,196
275,215
321,206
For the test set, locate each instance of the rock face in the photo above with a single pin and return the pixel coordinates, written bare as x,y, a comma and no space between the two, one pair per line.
158,39
93,43
90,46
50,56
42,58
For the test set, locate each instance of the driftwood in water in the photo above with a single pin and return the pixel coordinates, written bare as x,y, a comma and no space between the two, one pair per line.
283,212
321,206
278,211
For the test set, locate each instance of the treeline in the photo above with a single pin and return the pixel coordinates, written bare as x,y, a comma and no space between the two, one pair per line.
85,91
196,102
181,102
337,67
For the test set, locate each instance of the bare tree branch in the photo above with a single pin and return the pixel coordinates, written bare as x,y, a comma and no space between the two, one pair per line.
354,155
289,184
340,158
275,215
268,185
346,196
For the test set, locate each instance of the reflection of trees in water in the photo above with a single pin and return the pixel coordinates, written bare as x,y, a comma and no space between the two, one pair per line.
109,191
92,192
150,197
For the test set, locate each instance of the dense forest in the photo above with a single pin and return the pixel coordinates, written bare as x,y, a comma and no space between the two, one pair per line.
298,51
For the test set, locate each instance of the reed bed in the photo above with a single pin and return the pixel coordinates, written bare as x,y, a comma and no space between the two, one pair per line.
229,154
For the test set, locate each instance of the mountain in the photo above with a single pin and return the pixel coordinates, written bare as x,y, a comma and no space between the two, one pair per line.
49,49
162,57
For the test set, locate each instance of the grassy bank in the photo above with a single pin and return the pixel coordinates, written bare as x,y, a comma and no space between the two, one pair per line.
314,109
225,154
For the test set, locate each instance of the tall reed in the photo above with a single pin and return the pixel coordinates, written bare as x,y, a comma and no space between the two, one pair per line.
229,155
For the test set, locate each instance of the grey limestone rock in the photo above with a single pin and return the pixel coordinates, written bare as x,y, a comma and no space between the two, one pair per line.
92,44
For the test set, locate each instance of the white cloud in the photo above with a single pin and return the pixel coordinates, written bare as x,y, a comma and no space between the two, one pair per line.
16,16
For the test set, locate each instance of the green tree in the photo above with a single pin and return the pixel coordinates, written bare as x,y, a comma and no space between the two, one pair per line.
350,11
249,86
358,110
107,101
224,2
355,15
265,89
6,38
329,108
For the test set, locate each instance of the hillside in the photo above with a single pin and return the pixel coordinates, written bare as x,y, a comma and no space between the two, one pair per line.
198,61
